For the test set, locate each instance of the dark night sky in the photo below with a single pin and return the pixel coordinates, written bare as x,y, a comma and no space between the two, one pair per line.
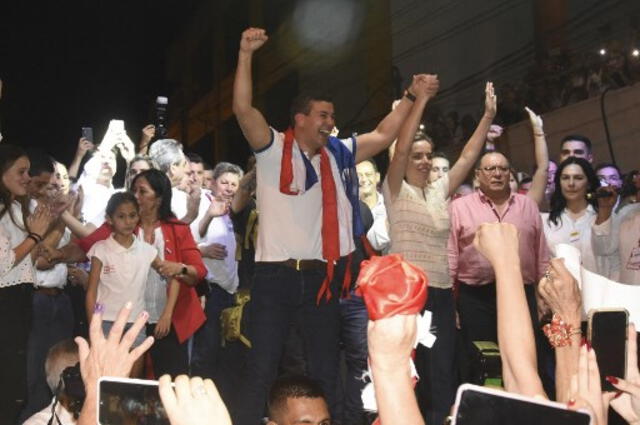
75,63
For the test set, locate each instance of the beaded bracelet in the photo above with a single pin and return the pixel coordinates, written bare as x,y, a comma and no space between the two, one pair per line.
559,333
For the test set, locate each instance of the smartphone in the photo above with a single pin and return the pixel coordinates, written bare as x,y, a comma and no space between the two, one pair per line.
87,133
129,401
607,334
477,405
117,126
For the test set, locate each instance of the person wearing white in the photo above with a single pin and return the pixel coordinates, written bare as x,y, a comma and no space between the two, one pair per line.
571,215
222,270
17,275
368,179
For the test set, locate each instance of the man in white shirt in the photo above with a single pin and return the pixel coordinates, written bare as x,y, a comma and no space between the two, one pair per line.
307,196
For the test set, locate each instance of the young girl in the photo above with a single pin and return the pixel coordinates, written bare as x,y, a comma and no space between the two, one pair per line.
120,265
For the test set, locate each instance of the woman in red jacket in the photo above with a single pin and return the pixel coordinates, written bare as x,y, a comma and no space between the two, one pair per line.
173,315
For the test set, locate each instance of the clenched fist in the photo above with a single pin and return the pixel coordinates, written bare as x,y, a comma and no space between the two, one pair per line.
252,39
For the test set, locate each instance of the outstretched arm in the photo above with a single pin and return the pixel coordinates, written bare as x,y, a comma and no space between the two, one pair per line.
539,182
370,144
472,149
425,87
252,122
498,242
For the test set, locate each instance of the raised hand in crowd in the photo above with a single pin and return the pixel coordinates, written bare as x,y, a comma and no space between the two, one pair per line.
560,293
539,181
193,203
148,133
125,146
498,242
246,189
84,146
218,207
390,342
108,356
606,203
252,39
194,401
586,392
628,403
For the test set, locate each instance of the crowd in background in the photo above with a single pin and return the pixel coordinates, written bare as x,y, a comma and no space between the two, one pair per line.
244,274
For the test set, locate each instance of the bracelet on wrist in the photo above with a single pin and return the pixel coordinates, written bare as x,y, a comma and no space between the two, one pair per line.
35,236
409,95
539,134
559,333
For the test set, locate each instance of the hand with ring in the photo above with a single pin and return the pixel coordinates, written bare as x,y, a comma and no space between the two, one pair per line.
559,290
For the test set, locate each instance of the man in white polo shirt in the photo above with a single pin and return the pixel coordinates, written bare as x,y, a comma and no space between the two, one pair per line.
307,195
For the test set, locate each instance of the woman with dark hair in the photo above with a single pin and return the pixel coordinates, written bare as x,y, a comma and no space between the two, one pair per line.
174,311
20,232
571,214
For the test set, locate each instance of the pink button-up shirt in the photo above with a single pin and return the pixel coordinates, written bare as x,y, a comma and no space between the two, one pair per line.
467,265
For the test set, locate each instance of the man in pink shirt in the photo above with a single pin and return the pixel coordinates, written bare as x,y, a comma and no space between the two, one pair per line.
471,273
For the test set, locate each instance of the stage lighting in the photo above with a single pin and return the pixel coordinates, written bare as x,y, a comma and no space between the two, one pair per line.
602,52
635,53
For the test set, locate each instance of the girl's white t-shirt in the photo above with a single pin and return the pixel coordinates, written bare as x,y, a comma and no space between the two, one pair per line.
123,275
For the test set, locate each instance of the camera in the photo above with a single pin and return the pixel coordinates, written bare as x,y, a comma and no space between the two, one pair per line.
161,117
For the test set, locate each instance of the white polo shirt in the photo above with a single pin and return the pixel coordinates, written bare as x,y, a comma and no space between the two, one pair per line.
291,225
123,275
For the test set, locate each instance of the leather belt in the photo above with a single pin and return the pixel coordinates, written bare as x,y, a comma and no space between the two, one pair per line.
301,265
48,291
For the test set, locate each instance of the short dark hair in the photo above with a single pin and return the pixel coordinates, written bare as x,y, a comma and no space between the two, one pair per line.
194,157
422,136
294,386
577,138
440,154
608,165
302,103
372,162
40,162
118,199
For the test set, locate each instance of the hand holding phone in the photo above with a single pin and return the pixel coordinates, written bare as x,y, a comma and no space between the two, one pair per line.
607,334
477,405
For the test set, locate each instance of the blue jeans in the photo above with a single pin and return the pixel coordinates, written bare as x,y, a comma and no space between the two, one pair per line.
51,322
207,340
354,342
280,296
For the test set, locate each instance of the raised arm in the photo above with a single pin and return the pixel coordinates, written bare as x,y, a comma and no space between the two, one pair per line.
539,182
425,87
473,147
370,144
498,242
84,146
252,122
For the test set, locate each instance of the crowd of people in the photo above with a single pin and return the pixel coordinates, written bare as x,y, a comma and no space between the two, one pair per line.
250,277
554,81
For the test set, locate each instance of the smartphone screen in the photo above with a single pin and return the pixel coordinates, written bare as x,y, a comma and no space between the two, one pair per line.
130,401
87,133
482,408
608,337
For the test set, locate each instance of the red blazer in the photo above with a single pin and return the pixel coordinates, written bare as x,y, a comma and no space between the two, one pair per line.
180,247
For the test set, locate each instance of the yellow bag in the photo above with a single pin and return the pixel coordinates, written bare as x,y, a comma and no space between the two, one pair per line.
231,319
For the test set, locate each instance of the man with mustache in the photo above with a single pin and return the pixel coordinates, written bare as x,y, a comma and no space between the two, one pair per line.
473,275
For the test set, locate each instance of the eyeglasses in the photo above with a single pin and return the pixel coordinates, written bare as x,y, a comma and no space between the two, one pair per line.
492,169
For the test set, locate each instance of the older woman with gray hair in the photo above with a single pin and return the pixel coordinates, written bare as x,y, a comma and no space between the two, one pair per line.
168,157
